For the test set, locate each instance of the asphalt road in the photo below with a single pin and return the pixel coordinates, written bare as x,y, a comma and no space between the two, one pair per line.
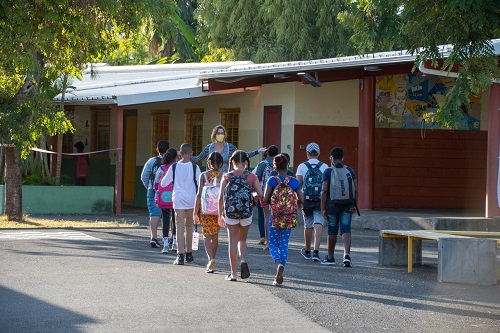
110,280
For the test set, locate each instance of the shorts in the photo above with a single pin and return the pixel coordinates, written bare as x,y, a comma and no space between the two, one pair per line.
153,209
338,217
314,218
243,222
210,224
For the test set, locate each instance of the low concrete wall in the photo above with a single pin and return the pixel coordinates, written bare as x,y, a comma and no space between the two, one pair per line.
64,199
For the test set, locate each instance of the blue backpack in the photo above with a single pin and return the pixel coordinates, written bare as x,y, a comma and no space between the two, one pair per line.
313,182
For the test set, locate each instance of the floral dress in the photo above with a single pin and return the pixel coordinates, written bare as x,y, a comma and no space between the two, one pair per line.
209,223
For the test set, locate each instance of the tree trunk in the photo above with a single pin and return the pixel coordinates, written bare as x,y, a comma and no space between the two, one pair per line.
13,185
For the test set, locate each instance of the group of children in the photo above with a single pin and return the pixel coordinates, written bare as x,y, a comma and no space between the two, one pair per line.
216,199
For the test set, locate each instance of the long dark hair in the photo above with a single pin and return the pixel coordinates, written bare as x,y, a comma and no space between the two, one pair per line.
238,157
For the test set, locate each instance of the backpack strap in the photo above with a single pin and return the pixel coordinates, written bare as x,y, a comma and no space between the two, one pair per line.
308,165
173,173
194,176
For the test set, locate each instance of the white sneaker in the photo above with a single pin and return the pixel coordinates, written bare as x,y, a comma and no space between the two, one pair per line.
165,249
174,244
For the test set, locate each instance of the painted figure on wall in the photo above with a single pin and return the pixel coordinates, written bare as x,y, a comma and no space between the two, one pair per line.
406,100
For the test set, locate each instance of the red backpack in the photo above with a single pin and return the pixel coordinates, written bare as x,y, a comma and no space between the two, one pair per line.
283,205
163,197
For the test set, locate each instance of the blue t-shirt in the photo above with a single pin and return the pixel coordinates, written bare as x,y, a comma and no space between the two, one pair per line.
294,183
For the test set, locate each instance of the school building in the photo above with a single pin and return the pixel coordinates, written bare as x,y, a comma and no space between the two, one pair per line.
372,105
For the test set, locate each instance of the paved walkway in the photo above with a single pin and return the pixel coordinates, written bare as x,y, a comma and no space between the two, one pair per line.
113,281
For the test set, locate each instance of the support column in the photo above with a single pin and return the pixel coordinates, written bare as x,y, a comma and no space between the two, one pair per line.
493,152
366,142
119,160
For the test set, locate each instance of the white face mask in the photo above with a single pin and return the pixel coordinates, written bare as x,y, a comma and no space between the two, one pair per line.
219,137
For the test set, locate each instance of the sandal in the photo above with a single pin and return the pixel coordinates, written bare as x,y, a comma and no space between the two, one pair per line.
245,272
279,275
209,270
230,278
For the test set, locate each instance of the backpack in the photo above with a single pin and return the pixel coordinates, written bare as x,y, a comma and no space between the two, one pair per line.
210,196
283,205
313,182
342,190
266,174
163,197
238,199
154,168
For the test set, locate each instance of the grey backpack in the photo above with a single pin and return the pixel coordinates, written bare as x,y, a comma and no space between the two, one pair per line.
342,191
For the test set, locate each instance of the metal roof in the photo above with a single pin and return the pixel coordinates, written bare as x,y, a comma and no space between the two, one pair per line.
372,59
129,85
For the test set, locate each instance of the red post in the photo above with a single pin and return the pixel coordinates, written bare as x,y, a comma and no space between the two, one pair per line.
366,142
119,160
493,152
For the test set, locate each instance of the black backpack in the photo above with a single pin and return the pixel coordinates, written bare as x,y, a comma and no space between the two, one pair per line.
238,199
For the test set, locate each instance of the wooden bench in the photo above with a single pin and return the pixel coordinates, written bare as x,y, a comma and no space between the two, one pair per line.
463,256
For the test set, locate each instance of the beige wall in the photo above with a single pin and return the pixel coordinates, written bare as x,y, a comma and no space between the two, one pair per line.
333,104
248,102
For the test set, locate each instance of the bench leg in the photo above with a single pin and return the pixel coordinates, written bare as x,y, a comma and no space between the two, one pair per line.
467,260
394,252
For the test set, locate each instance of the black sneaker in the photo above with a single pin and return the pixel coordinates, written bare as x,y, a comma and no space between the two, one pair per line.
315,256
347,261
328,261
305,254
154,243
189,257
179,260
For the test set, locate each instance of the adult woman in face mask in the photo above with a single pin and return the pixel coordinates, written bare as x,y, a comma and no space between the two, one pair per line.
220,145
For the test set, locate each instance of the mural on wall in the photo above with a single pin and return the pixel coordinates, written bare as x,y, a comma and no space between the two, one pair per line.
402,101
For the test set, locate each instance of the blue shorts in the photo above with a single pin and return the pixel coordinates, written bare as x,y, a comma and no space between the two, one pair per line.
153,209
338,216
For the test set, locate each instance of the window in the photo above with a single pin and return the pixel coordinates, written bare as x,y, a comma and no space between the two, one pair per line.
100,130
230,119
160,128
194,129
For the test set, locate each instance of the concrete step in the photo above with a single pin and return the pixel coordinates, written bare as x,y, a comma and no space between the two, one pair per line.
425,220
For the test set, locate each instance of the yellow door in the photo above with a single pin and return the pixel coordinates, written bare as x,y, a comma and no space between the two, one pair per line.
129,147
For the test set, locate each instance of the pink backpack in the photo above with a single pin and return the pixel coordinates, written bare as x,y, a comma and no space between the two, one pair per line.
210,196
163,196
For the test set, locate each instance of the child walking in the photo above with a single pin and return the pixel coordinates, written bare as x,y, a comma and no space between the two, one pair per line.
167,207
284,194
209,222
183,175
236,210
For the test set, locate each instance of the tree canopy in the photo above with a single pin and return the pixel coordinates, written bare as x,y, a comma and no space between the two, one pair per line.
279,30
44,42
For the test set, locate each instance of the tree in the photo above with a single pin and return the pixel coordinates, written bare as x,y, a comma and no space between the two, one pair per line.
42,41
420,27
273,30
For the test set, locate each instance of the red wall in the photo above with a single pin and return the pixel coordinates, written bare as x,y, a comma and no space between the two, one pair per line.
445,169
327,137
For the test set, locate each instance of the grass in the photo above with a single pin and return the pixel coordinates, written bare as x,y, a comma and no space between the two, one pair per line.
55,222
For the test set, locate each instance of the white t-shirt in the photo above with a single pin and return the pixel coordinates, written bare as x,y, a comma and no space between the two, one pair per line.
184,191
302,168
